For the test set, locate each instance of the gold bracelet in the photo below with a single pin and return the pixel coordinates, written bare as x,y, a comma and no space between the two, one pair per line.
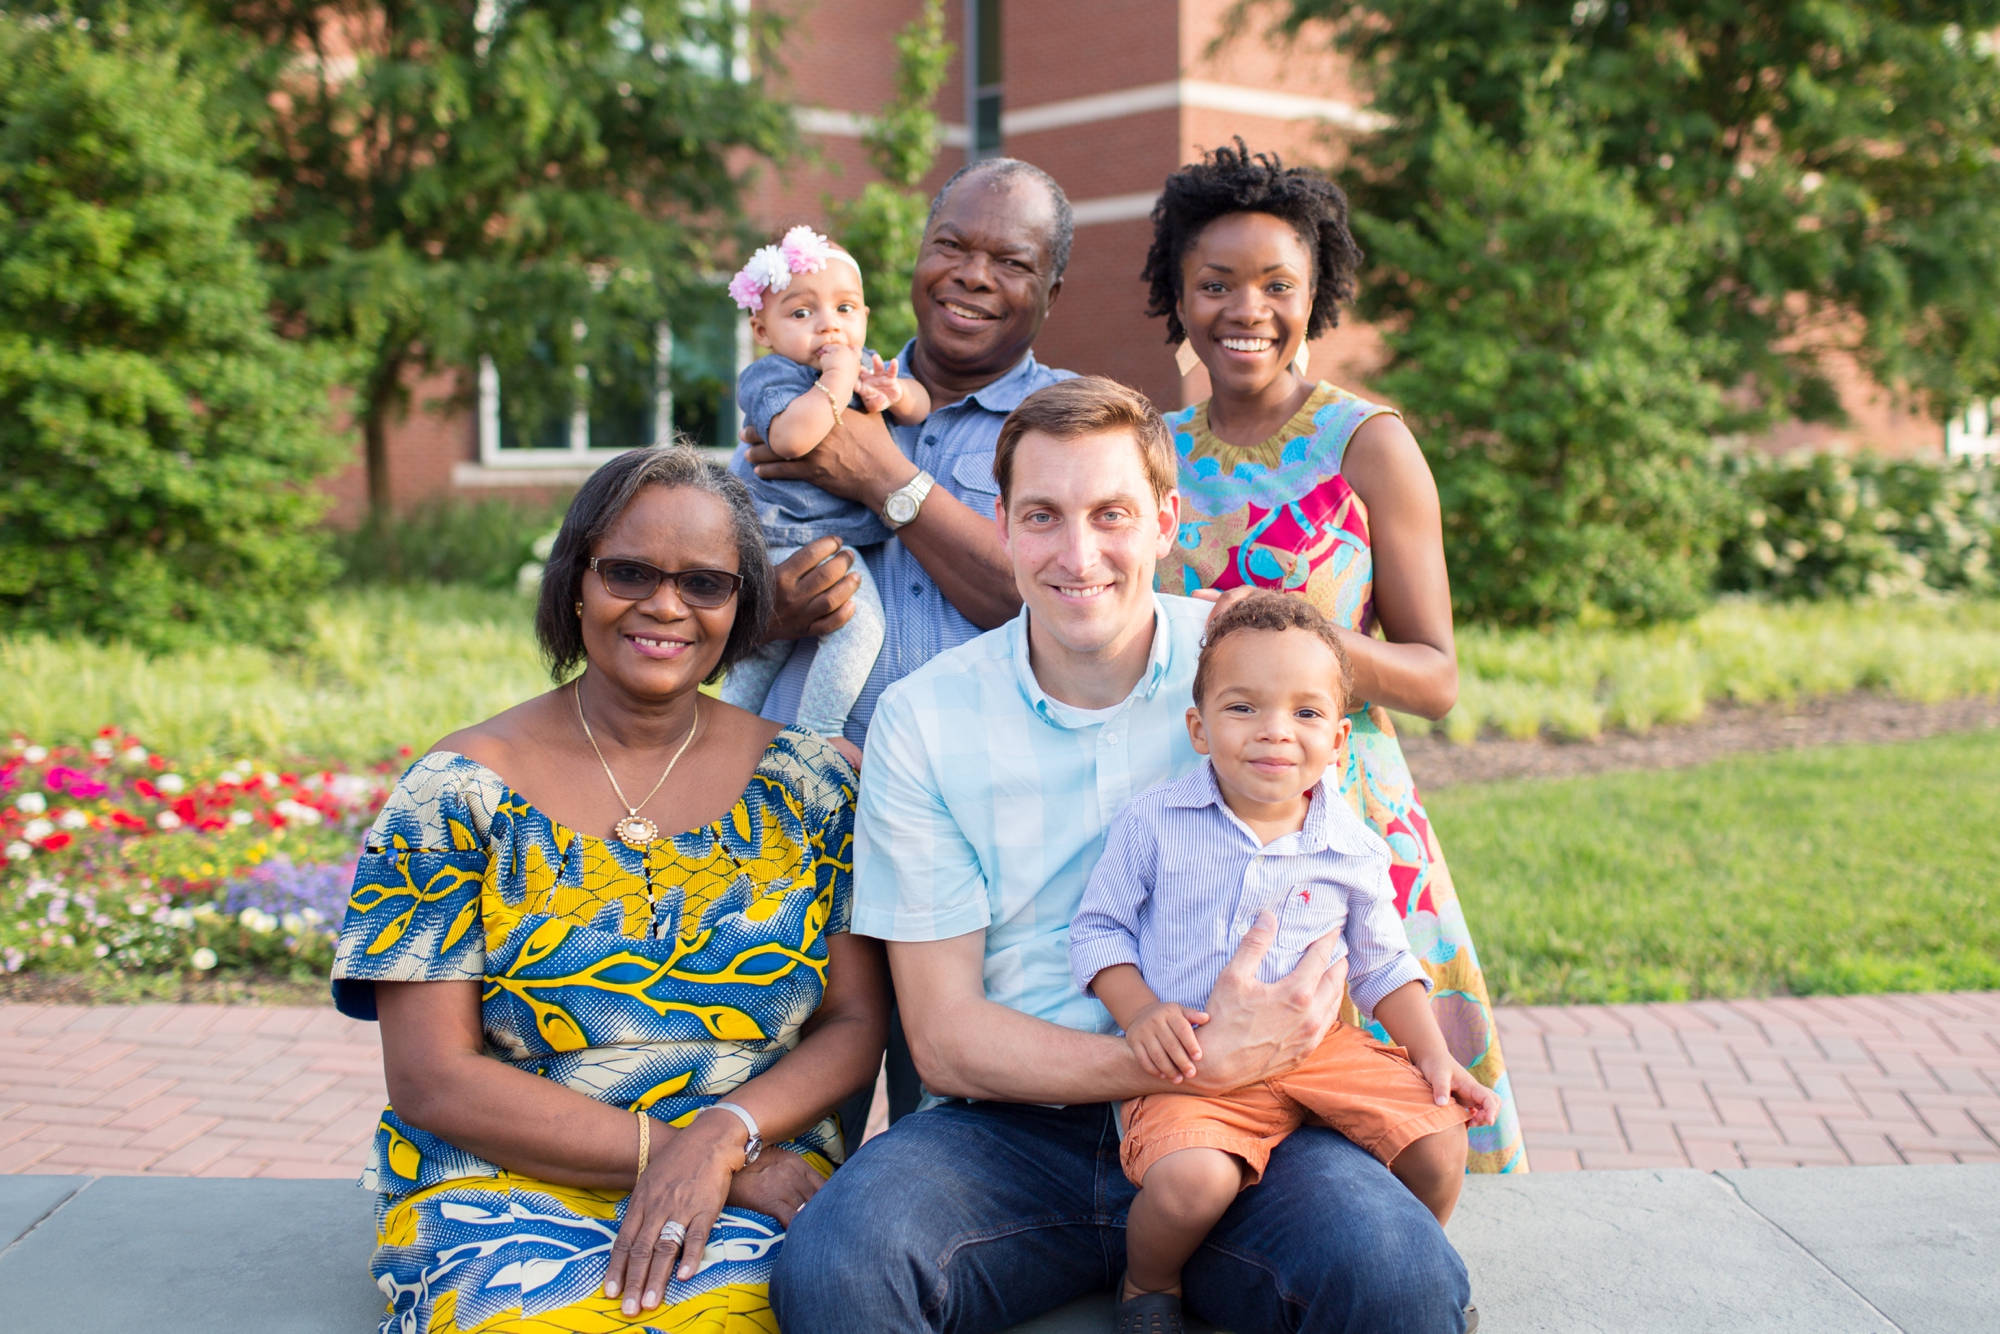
821,386
645,1143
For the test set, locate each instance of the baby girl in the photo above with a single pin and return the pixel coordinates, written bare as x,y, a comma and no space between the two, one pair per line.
805,302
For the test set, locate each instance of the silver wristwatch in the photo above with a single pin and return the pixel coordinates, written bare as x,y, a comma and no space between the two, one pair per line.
756,1144
902,504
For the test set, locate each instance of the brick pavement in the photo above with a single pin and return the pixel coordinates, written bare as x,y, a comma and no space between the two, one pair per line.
186,1090
1804,1082
244,1091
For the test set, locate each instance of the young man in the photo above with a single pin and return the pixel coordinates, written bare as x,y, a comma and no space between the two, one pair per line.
992,775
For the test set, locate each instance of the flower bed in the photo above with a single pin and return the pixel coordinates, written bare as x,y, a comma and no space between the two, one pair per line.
114,858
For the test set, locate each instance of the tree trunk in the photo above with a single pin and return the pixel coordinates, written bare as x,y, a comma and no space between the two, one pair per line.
375,433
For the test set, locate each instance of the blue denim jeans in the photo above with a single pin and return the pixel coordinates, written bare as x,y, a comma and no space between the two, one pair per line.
972,1217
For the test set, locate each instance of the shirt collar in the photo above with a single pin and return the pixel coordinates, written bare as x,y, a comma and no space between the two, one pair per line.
1002,395
1055,711
1324,829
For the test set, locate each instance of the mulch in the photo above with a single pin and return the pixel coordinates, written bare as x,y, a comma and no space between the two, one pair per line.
1861,718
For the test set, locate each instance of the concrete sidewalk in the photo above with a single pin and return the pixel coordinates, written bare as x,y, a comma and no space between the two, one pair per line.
1870,1250
168,1090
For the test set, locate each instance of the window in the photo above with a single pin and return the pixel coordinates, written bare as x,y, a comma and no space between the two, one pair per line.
1976,431
982,77
630,391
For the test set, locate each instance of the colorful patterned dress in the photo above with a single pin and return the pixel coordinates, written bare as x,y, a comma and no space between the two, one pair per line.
1280,515
658,979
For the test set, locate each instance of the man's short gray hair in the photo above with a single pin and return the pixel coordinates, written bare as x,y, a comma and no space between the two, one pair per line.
1005,169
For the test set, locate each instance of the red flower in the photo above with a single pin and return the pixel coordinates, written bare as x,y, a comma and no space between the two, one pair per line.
57,841
126,820
146,789
185,809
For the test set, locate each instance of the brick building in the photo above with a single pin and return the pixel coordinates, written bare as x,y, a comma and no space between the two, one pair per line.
1108,97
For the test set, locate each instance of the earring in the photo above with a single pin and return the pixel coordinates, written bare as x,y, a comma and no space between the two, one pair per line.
1303,357
579,611
1185,357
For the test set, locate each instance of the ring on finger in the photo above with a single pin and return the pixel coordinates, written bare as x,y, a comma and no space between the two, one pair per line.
673,1233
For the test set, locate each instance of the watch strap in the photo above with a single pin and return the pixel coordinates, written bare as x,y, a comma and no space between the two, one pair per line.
756,1144
916,489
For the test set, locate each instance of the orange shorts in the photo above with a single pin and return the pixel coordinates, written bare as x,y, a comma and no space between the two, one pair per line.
1369,1092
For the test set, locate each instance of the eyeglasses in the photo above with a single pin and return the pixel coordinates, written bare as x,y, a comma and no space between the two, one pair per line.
635,581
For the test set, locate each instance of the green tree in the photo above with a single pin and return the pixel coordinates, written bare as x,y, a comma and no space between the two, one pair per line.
1836,162
159,437
1542,363
538,180
884,225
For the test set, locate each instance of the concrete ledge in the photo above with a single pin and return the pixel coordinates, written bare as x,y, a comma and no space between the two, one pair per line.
1861,1250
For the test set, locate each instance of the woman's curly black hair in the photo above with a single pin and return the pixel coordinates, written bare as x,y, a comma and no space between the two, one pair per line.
1233,180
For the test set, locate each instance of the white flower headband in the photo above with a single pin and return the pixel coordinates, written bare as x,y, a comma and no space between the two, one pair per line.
802,250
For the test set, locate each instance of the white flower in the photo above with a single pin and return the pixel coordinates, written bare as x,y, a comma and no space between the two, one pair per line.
37,830
240,817
73,819
180,918
270,779
298,812
257,919
100,950
293,922
311,916
231,776
545,544
769,269
528,579
12,959
203,958
134,755
35,754
31,803
167,820
18,851
102,748
170,783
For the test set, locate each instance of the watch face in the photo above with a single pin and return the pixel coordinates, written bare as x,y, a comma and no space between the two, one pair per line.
900,509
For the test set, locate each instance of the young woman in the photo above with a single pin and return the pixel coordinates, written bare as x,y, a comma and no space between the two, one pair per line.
1293,484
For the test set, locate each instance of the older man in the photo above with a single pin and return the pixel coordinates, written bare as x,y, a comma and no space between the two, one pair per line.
993,773
991,265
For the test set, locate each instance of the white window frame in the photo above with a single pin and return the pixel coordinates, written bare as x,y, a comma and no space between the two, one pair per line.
1975,432
579,452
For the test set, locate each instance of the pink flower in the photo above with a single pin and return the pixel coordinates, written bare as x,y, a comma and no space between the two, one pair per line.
62,778
766,271
805,251
746,291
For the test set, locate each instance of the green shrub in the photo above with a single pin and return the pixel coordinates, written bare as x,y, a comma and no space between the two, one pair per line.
160,439
1540,362
483,543
1817,526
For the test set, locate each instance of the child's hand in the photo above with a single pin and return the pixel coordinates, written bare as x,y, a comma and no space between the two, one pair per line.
1448,1080
839,359
1162,1037
879,388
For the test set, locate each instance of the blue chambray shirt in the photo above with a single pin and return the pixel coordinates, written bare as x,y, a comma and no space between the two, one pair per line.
955,446
1183,878
984,803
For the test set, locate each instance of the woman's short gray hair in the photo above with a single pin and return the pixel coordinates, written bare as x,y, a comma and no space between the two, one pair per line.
599,504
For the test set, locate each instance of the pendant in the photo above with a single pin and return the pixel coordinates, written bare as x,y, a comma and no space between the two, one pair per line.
636,831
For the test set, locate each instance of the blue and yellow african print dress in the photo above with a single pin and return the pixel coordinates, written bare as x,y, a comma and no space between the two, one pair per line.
1280,515
658,979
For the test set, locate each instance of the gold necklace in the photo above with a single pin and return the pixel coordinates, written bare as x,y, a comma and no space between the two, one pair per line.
635,830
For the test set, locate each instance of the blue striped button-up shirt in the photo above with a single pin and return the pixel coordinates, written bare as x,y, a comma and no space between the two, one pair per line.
1182,878
984,803
955,446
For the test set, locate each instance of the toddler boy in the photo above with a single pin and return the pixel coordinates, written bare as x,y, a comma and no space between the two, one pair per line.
1187,869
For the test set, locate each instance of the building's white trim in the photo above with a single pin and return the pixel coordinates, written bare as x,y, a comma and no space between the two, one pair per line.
560,471
1114,208
854,124
1186,93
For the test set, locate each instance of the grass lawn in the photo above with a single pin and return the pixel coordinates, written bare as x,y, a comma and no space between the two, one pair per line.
1848,869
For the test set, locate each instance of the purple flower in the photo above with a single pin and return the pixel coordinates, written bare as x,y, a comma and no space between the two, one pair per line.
280,887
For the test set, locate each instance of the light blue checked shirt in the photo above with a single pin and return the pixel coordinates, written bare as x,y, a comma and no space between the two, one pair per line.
954,445
1183,878
984,803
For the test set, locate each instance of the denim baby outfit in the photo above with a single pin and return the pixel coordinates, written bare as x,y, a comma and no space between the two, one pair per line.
795,513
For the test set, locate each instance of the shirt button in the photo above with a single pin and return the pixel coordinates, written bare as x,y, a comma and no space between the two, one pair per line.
930,439
1110,738
916,590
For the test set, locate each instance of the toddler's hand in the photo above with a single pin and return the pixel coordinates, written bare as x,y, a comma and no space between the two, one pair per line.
1162,1037
836,358
879,388
1448,1080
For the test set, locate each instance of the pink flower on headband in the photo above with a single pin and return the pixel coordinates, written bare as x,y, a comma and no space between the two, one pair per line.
805,250
802,250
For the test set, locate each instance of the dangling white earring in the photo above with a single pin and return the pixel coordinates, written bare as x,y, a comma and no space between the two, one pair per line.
1185,357
1303,357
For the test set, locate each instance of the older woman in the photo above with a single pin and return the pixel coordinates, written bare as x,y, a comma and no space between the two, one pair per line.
605,933
1290,483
